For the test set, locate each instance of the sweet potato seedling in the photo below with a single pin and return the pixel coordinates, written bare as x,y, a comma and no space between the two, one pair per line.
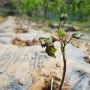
50,49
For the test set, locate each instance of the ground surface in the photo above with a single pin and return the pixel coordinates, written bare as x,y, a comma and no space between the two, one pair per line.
18,65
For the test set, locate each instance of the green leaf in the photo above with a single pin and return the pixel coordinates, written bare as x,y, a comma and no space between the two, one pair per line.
45,40
50,50
77,36
60,33
48,40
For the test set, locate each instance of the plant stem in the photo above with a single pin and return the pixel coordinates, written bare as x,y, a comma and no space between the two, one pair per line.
64,69
59,25
69,41
64,60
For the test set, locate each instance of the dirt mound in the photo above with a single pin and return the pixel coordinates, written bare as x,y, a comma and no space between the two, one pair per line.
42,79
54,26
70,29
21,30
20,42
84,46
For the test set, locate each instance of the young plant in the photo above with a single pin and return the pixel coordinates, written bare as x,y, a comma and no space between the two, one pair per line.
48,43
64,42
50,49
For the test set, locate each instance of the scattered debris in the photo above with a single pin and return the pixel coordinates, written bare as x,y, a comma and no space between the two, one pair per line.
87,59
20,42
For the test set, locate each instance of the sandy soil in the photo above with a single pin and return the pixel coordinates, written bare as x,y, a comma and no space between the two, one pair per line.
17,64
51,69
83,45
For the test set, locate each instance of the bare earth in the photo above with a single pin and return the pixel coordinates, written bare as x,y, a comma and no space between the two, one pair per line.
27,68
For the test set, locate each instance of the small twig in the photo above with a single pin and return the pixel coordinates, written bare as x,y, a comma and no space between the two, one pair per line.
52,83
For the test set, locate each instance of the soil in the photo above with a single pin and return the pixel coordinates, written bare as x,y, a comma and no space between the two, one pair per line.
21,30
43,77
19,42
83,45
70,29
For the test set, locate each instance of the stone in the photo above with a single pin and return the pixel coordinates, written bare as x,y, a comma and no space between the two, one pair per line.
70,29
21,81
